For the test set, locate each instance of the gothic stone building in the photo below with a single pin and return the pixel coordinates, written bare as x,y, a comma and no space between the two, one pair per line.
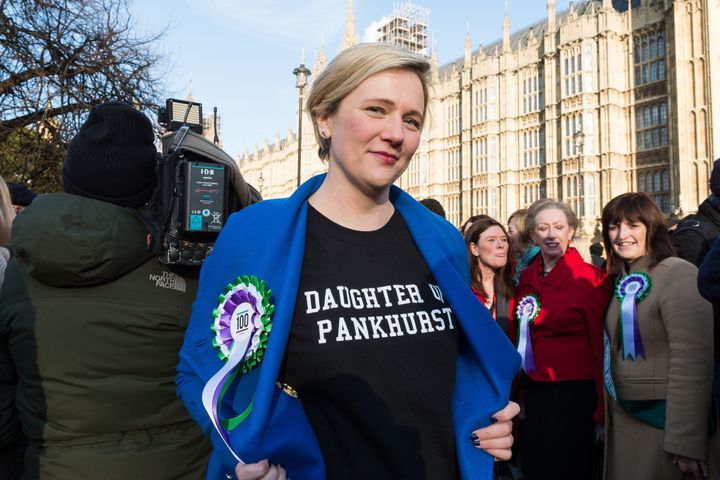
584,105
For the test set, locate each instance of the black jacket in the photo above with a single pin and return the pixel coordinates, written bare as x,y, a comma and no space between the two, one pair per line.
693,239
90,328
696,233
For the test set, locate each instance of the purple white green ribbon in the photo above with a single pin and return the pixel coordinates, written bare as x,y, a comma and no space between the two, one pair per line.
607,373
527,311
630,290
242,323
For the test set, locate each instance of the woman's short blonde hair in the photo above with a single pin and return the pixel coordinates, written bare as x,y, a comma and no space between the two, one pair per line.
352,67
6,213
545,204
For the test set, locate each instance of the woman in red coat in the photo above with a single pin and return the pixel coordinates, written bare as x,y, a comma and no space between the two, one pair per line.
558,325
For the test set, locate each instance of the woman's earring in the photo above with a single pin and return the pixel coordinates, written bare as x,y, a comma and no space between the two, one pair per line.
323,134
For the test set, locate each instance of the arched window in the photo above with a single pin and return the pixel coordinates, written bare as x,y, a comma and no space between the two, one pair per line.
661,46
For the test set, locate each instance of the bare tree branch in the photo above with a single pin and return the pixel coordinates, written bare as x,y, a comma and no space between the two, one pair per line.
58,58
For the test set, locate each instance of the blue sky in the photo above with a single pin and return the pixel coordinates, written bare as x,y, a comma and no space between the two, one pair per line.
240,54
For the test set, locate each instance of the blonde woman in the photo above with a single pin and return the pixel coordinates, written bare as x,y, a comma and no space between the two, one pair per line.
350,343
6,216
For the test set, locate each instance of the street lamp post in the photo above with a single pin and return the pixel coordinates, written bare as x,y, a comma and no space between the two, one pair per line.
301,75
579,142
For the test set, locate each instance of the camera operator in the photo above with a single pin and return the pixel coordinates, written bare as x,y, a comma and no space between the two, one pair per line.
91,322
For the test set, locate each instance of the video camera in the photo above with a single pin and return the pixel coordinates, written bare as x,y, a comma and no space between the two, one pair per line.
199,186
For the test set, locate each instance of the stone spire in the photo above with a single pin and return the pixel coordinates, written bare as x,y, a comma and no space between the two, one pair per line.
506,30
350,38
320,60
468,48
551,15
189,97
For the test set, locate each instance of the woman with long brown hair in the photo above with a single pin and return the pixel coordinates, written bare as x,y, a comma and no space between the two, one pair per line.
659,352
489,250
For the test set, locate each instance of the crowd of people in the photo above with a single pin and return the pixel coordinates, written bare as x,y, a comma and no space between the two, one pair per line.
622,356
348,331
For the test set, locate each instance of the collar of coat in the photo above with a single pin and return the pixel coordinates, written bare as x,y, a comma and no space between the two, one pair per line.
560,272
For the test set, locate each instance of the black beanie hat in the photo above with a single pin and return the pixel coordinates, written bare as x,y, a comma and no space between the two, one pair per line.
112,157
20,194
715,178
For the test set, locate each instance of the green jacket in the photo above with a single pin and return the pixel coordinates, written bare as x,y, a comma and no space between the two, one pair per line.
91,325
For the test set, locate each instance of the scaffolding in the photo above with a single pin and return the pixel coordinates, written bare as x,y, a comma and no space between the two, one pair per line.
407,28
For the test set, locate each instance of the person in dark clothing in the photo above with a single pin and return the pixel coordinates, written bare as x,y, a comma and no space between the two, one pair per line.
696,233
91,322
709,286
10,436
596,251
693,239
434,206
21,196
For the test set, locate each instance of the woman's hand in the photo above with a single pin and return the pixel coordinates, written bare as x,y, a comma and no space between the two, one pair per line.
497,439
260,471
691,466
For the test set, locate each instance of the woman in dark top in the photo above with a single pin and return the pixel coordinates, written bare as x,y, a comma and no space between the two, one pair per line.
345,310
489,251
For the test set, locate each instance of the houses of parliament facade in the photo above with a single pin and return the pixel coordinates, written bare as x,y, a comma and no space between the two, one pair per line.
586,104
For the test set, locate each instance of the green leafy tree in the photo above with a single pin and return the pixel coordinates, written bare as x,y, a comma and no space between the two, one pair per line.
59,58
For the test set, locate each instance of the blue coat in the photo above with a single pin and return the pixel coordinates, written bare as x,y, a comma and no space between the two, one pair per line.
268,240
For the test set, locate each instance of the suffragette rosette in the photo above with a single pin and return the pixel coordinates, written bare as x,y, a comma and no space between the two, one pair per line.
630,290
241,325
527,311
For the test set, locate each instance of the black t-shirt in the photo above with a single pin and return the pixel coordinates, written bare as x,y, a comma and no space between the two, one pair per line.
372,354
